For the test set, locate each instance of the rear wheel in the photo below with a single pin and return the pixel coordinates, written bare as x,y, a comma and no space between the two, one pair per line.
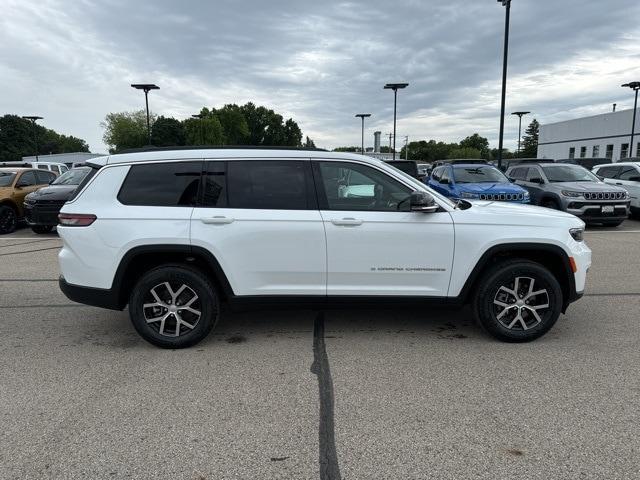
518,301
173,306
40,229
8,219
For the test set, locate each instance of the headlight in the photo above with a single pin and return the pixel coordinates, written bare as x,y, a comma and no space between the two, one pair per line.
526,194
572,194
469,195
577,234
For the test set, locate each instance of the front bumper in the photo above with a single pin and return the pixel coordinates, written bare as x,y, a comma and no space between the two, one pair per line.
597,211
35,214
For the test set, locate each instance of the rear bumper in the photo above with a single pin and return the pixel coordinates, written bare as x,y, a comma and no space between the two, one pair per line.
95,297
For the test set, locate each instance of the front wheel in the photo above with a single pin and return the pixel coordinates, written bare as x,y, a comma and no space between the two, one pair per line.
518,301
8,219
173,306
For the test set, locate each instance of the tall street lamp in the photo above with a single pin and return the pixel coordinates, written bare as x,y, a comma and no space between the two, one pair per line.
520,114
201,117
505,3
633,86
395,87
33,119
147,87
362,117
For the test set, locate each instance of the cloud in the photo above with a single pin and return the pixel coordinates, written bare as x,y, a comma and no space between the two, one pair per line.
318,62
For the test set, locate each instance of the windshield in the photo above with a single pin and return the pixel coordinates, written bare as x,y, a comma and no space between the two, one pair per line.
568,173
72,177
6,178
478,175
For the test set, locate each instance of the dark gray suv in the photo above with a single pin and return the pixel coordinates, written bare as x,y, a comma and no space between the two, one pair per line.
574,189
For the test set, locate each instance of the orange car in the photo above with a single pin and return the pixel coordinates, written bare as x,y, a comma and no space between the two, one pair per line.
15,184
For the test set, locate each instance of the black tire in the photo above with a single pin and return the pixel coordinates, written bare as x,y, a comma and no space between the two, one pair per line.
551,203
41,229
504,274
161,333
8,219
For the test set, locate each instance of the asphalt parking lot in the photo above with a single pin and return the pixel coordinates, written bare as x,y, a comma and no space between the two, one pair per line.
409,394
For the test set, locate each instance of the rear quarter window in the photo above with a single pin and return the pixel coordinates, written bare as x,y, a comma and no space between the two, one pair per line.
162,184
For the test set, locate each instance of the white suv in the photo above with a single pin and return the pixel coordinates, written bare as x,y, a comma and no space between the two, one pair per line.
174,233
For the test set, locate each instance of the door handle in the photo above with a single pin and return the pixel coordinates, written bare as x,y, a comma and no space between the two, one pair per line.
351,222
618,183
217,220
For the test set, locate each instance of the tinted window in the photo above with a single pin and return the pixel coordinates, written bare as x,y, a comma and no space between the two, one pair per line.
45,177
351,186
628,173
608,172
214,189
435,174
28,178
6,178
445,175
269,184
162,184
518,173
43,167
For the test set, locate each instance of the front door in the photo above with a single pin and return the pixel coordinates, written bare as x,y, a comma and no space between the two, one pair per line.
260,220
375,244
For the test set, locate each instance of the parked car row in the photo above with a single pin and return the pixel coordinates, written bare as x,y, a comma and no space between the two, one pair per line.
605,197
35,195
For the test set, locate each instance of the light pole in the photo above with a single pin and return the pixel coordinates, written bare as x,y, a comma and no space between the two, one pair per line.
520,114
362,117
633,86
33,119
505,3
147,87
395,87
201,117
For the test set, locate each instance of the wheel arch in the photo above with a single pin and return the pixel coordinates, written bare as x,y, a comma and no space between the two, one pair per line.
141,259
550,256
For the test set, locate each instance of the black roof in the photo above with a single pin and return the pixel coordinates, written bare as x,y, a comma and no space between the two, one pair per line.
216,147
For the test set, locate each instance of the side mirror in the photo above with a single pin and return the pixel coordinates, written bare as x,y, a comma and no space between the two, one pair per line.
444,182
423,202
21,184
536,180
512,180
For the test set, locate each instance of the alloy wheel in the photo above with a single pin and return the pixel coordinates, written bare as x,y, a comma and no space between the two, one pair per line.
172,310
519,306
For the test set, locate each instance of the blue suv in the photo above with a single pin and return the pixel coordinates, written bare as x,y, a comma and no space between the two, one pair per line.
475,182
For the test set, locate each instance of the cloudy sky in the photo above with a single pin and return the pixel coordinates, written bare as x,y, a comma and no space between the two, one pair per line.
319,62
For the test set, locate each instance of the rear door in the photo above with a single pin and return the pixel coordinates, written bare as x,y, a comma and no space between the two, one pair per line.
629,179
609,173
260,219
376,246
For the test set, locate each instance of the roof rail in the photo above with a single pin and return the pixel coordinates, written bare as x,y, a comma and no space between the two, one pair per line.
216,147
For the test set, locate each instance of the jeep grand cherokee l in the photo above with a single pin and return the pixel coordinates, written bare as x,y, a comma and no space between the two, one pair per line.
173,234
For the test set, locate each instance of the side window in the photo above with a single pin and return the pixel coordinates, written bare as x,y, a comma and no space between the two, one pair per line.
352,186
436,174
55,168
161,184
627,173
28,179
533,172
45,177
42,167
445,175
270,184
214,185
517,173
608,172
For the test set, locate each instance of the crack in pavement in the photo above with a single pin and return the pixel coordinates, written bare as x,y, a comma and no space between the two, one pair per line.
328,457
30,251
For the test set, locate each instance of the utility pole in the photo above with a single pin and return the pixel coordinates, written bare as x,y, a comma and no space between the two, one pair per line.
507,4
406,147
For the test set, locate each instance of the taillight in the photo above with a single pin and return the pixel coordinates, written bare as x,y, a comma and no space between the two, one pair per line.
76,219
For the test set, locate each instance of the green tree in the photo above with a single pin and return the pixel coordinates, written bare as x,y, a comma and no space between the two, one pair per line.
234,124
204,131
479,143
125,130
506,153
464,152
530,140
167,132
308,143
428,151
346,149
18,139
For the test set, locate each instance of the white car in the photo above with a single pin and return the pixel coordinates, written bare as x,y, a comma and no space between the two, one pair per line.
174,233
625,175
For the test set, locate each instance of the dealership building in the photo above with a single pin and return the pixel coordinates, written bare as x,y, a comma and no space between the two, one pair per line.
607,135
